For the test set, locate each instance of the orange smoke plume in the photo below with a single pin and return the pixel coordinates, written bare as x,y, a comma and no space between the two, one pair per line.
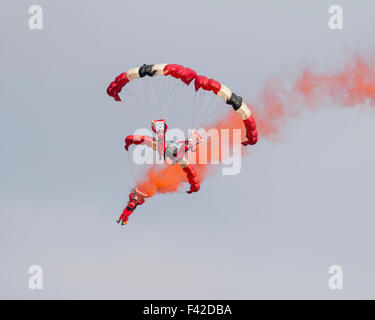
352,86
279,101
170,178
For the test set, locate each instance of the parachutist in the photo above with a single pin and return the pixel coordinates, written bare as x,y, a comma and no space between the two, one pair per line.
136,198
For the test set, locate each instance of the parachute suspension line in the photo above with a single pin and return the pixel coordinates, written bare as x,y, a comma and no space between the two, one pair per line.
139,101
201,102
203,107
197,99
193,117
213,112
174,101
208,112
145,93
160,90
143,103
140,90
166,91
175,96
144,114
131,166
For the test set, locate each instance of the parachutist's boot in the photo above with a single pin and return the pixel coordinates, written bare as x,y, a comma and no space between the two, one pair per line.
123,216
124,222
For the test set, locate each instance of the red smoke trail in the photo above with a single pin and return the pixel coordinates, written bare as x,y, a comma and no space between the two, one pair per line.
352,86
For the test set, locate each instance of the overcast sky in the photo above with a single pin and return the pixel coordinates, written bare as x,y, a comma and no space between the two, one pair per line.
298,206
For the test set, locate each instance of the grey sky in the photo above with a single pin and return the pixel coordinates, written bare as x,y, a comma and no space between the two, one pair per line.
298,206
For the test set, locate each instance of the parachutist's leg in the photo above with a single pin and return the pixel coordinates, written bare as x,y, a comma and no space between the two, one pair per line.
122,216
125,215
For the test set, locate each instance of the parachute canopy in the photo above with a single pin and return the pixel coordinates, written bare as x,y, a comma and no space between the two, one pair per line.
187,75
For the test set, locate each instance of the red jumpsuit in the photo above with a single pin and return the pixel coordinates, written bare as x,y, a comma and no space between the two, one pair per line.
132,204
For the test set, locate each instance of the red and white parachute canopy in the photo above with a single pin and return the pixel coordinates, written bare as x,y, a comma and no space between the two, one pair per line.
187,75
